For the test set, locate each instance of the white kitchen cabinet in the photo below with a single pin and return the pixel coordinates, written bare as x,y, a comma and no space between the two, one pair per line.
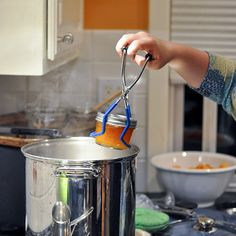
38,35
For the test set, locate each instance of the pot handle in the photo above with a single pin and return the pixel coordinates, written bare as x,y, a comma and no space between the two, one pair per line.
78,171
61,219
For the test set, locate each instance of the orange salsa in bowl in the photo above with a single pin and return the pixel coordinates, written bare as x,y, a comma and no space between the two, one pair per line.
203,166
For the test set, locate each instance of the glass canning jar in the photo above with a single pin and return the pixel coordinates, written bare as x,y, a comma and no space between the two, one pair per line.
114,127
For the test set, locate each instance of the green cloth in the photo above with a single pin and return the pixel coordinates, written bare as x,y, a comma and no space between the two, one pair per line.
150,220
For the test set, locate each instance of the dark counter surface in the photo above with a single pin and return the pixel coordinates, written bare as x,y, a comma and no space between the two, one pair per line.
217,212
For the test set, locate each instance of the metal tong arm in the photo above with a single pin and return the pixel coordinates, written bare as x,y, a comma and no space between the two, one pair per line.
126,89
124,97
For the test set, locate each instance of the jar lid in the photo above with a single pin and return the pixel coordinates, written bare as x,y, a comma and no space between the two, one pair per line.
116,119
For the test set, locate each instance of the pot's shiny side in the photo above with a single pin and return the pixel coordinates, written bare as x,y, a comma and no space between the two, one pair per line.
106,188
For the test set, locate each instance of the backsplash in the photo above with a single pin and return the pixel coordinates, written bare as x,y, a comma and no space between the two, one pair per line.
82,83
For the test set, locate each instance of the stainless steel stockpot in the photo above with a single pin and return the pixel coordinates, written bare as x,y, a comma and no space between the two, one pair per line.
76,187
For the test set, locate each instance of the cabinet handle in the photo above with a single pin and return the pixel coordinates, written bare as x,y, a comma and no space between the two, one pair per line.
67,38
52,29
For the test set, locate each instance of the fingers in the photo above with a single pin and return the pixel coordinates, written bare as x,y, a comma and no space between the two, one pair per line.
140,60
127,39
144,44
124,42
141,41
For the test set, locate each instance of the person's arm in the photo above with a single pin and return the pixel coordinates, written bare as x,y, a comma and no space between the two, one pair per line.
212,76
190,63
219,83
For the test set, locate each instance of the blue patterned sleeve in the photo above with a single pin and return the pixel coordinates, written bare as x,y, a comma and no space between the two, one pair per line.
219,83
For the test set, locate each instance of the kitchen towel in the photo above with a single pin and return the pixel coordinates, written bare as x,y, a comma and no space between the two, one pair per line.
150,220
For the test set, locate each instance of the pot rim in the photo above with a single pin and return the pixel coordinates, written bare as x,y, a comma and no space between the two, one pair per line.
119,155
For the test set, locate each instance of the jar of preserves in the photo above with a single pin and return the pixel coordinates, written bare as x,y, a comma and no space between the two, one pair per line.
114,128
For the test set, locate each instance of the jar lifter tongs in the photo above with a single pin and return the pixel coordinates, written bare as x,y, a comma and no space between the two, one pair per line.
124,96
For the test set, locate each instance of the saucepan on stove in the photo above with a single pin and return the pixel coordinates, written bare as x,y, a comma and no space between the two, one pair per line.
76,187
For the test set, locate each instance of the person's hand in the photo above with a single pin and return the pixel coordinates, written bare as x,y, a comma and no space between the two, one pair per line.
143,41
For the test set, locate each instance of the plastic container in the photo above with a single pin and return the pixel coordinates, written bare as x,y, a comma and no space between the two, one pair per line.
114,128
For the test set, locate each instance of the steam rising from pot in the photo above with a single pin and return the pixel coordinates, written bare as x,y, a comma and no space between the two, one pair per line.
58,98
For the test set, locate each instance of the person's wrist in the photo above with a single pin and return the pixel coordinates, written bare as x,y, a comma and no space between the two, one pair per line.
170,52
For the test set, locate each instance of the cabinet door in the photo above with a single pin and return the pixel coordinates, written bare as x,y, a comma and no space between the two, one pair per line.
64,22
33,34
22,40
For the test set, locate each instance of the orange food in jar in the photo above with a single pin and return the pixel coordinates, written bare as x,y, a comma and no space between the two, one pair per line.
114,128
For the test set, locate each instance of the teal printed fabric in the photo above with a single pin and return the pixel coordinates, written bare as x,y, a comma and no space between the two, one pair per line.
219,83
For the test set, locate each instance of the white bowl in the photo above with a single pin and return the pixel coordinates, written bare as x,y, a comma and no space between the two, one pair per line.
199,186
